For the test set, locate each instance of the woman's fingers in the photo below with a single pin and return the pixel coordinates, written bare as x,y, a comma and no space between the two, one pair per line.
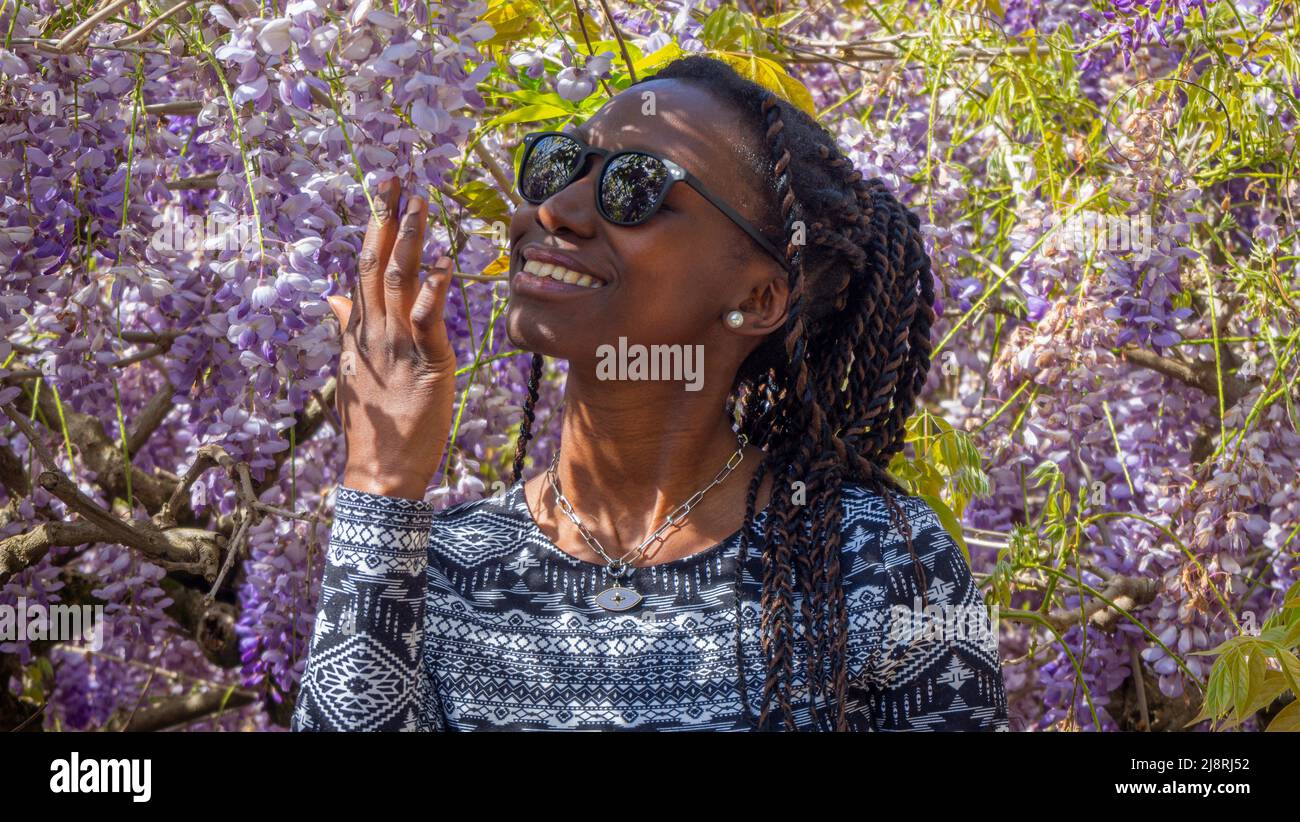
375,249
342,308
427,325
401,274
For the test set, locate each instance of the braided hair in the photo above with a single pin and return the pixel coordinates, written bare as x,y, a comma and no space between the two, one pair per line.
827,397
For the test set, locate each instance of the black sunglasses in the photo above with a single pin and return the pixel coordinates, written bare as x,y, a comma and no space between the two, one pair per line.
632,184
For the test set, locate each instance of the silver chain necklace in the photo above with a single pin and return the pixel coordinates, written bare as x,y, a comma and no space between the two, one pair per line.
618,596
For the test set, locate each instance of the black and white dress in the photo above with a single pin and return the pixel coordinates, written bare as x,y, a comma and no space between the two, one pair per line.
470,618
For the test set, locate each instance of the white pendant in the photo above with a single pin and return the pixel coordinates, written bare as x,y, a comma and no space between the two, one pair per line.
617,598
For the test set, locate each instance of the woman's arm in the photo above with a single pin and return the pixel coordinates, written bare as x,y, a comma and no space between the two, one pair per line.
397,381
937,668
363,669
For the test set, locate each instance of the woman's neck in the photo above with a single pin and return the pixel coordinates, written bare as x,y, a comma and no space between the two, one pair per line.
633,452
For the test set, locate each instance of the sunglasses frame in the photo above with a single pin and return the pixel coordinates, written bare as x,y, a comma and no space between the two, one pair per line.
675,174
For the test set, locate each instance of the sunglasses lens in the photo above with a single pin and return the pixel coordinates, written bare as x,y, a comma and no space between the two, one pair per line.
549,166
631,188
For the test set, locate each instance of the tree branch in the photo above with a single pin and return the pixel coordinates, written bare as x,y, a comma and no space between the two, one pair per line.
182,710
21,551
12,474
151,416
211,624
153,24
1125,592
185,549
1198,375
102,455
42,451
198,181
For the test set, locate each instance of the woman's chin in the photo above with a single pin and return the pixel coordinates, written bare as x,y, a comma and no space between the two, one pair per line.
527,330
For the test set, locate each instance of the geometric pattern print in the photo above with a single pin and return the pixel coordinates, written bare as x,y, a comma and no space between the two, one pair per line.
487,625
940,670
361,671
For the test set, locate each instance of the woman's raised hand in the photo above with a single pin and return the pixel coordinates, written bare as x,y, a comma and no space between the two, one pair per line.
397,370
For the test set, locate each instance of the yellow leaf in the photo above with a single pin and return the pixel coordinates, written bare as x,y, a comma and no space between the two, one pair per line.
666,54
510,21
770,75
498,267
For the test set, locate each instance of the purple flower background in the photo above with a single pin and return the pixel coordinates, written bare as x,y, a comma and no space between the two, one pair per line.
221,234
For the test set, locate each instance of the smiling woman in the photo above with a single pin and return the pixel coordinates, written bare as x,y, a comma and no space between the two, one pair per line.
726,558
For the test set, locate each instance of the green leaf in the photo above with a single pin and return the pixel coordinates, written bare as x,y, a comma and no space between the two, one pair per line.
1292,637
1255,676
930,480
1216,690
1292,596
1239,681
1205,713
1270,687
225,698
1291,669
1287,719
779,21
528,114
484,201
530,97
723,28
613,47
1273,635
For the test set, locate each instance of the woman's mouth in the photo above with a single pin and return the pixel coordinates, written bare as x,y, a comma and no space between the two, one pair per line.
542,278
558,273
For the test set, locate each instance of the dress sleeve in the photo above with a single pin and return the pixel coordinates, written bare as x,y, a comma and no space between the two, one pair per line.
937,666
363,666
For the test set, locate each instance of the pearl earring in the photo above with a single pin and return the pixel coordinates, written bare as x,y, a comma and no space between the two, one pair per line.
735,319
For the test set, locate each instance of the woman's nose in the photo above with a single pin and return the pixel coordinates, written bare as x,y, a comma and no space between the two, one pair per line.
575,204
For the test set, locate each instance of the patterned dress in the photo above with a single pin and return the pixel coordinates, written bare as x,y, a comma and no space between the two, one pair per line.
470,618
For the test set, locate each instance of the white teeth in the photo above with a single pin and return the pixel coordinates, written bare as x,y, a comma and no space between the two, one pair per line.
562,274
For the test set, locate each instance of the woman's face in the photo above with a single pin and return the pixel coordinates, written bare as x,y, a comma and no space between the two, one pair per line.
670,279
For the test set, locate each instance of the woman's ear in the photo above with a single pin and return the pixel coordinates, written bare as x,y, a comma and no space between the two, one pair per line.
765,309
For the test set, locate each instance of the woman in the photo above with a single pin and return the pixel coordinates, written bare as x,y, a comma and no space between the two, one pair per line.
604,592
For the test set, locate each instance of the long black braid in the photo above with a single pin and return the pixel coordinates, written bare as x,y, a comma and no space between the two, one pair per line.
827,398
526,426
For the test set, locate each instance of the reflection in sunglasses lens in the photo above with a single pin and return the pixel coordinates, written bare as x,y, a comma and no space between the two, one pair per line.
631,187
549,166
